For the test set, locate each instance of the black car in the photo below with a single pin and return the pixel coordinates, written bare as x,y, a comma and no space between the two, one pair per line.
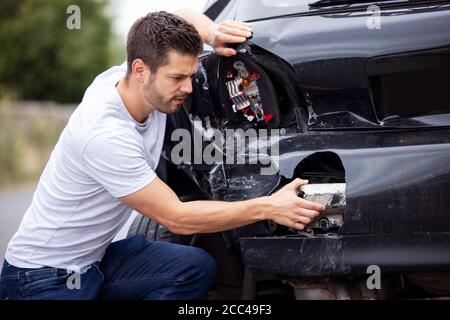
353,94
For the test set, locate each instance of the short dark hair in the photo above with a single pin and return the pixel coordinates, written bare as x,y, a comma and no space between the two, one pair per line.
153,36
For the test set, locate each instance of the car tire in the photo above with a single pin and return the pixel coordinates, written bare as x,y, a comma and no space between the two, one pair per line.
154,231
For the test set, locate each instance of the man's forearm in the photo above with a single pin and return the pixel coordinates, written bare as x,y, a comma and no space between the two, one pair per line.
213,216
161,204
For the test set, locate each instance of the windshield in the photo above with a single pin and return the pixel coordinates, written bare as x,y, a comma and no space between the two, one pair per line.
323,3
259,9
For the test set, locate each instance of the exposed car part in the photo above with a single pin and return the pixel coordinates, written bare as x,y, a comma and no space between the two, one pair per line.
332,195
265,95
249,93
244,93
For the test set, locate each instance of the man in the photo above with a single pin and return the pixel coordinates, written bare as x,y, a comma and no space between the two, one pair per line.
103,167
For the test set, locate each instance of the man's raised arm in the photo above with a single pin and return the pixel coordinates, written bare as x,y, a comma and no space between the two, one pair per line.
217,35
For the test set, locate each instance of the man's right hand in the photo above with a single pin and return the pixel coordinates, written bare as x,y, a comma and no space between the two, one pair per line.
217,35
287,208
226,32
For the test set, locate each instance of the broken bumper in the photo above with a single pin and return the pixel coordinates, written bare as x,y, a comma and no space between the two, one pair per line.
316,257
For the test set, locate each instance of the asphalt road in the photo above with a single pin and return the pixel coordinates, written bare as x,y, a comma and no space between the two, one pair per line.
13,204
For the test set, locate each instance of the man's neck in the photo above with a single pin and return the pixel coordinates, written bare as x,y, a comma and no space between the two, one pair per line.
133,100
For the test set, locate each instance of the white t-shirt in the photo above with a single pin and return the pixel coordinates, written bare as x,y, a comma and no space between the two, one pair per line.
102,154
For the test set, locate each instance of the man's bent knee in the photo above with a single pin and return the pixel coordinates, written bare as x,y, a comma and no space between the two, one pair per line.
206,264
200,273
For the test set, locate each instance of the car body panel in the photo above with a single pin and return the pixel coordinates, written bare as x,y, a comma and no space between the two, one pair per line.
368,107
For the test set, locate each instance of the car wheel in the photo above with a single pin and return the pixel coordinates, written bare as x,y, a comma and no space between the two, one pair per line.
154,231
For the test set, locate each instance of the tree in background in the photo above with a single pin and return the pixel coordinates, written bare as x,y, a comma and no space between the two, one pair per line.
41,59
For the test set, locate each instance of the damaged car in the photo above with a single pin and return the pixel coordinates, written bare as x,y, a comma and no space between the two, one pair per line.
354,97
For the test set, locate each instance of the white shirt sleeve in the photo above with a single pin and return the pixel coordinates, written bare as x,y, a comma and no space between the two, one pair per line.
117,162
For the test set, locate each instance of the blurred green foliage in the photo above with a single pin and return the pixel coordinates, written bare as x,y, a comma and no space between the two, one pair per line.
11,147
41,59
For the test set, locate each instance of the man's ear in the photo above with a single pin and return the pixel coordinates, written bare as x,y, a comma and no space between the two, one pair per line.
140,70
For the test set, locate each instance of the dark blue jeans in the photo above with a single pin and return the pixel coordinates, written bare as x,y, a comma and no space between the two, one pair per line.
133,268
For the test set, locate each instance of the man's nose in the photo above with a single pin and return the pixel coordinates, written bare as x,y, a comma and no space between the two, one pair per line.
187,86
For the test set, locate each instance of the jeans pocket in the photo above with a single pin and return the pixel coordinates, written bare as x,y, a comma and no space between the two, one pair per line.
96,265
39,280
8,285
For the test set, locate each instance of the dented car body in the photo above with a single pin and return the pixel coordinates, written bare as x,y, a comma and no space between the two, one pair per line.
343,102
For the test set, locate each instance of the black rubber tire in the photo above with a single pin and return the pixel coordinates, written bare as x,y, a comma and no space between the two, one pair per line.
152,230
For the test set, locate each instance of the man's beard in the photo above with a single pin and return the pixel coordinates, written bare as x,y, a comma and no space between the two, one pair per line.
162,104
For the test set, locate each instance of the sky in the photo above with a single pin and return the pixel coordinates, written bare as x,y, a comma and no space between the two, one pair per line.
125,12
